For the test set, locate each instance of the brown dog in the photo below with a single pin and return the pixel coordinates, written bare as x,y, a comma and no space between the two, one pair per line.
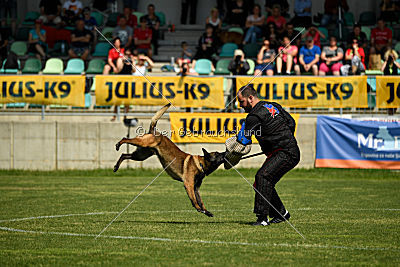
181,166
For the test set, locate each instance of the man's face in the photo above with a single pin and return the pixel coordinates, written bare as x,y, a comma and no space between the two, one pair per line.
289,28
150,10
122,22
245,102
80,25
381,24
357,30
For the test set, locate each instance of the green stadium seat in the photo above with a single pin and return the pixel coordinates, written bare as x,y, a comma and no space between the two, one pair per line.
373,72
16,105
138,15
236,29
30,18
22,34
57,49
348,19
397,47
88,100
54,66
345,34
371,100
101,49
367,31
252,65
367,18
228,50
75,66
10,71
112,20
251,50
203,66
222,67
98,17
325,32
107,32
32,65
371,81
95,66
19,48
161,16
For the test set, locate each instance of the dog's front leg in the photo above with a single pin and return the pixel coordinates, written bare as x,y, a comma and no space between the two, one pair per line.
190,192
121,159
200,202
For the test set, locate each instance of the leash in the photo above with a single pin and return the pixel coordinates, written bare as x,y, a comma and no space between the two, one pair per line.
253,155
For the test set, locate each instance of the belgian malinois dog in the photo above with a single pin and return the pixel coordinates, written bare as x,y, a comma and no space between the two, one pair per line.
189,169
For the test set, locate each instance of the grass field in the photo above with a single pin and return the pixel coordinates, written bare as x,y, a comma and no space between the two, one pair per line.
347,216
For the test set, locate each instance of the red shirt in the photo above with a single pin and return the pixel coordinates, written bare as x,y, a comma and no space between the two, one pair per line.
360,51
381,37
279,22
145,34
114,55
132,21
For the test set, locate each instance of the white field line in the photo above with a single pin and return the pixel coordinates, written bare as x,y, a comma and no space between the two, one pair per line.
213,242
176,211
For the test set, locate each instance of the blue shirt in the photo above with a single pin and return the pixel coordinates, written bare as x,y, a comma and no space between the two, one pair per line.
300,5
35,36
309,54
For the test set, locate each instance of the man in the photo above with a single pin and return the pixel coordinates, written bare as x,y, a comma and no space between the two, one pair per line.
331,11
131,19
274,129
80,41
238,65
154,24
265,60
50,11
381,38
143,38
73,5
359,35
309,58
302,11
124,33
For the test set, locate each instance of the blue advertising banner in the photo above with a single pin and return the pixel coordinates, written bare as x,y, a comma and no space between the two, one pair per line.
345,143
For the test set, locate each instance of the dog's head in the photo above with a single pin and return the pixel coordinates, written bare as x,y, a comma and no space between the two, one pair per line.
212,161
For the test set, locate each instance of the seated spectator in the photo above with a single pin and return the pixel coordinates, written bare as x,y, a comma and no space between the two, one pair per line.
80,41
292,34
272,35
4,36
388,8
239,65
72,9
207,46
186,54
143,38
331,57
50,11
359,35
124,32
287,56
127,63
131,19
89,21
37,40
237,13
283,5
114,60
265,60
154,24
331,11
143,64
355,58
277,19
309,58
254,25
315,34
381,38
302,13
391,67
214,20
186,69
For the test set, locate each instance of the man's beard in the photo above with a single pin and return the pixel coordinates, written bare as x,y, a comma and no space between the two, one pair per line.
247,109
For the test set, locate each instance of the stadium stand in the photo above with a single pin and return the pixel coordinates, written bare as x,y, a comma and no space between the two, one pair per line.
75,66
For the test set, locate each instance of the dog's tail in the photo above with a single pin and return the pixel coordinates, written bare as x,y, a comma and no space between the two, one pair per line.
157,116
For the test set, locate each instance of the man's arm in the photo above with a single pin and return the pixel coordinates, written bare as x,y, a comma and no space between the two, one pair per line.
291,123
247,130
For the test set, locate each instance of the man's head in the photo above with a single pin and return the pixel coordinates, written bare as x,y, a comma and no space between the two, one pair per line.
80,24
143,22
332,41
184,45
212,161
238,54
127,11
289,27
122,22
357,29
86,13
248,98
381,23
276,11
209,29
309,41
151,9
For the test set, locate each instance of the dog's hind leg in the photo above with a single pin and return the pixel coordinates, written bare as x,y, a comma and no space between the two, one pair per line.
148,140
192,196
121,159
142,153
200,201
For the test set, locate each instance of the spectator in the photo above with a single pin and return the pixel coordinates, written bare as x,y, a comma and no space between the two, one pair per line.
89,21
309,58
359,35
302,11
131,19
355,57
74,6
114,61
331,11
50,11
265,60
381,38
208,44
154,24
238,65
331,56
144,63
143,38
237,13
132,4
186,4
388,9
391,67
37,40
4,35
186,54
292,34
127,64
287,56
277,19
314,33
272,35
254,25
186,69
9,8
214,20
80,41
124,32
283,4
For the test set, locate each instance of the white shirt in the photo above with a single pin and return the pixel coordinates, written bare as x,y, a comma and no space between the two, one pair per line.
74,6
140,70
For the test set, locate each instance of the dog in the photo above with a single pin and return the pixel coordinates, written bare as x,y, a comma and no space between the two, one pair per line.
181,166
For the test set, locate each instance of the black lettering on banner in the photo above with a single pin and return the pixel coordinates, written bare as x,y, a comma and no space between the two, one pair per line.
144,90
275,92
190,90
192,127
347,90
4,91
312,91
301,96
184,125
124,93
286,91
50,89
32,92
204,89
159,90
19,91
208,131
392,93
65,88
110,91
219,125
133,90
332,90
258,89
170,91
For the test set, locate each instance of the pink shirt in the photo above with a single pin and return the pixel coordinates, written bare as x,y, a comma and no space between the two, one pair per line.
290,50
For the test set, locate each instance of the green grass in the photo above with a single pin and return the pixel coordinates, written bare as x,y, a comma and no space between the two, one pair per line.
347,216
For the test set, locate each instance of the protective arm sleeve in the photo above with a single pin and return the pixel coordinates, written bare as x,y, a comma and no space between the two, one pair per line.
247,130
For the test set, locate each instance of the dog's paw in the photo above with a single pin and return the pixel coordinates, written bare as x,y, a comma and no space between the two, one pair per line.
209,214
117,146
115,169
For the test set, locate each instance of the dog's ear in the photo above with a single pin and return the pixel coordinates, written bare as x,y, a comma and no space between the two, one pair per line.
206,154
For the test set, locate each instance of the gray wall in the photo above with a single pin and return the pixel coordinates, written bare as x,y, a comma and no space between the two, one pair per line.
90,145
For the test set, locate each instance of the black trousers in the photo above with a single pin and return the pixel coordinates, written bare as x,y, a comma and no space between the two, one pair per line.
275,166
185,8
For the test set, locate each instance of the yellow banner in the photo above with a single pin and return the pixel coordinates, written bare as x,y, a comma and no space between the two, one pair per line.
207,127
180,91
44,90
309,91
387,91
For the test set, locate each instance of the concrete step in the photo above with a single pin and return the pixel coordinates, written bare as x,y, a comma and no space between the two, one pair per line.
178,41
194,27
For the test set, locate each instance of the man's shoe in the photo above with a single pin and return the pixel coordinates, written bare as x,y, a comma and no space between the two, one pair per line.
261,221
280,219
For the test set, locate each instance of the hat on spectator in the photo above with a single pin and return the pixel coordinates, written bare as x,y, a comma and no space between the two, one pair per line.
309,38
238,52
38,21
